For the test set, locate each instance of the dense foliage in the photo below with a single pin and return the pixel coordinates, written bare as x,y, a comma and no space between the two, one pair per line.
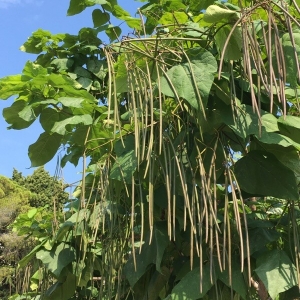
45,189
189,133
13,200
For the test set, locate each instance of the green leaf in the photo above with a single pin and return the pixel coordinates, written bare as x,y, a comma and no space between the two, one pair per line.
215,14
71,102
85,82
196,5
156,284
276,271
238,283
246,121
126,162
289,55
44,148
100,2
27,114
89,35
117,10
60,127
188,287
77,6
113,32
98,68
133,23
261,173
26,259
288,156
259,237
125,146
185,78
31,213
193,30
33,70
62,290
82,72
278,139
290,126
170,18
65,228
37,42
48,117
124,167
12,115
152,253
100,18
12,85
63,64
58,258
235,44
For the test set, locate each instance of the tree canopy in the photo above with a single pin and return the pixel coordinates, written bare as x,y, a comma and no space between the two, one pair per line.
45,189
14,199
188,128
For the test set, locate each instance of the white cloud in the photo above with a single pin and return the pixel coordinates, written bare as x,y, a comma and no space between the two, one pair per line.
9,3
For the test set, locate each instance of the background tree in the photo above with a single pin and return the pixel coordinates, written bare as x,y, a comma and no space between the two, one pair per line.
45,189
189,134
14,199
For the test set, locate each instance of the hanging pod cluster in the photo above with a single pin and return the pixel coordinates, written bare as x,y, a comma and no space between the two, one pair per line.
188,129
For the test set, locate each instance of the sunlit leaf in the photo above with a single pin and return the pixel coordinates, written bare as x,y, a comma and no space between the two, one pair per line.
216,14
71,102
169,18
246,122
57,259
187,77
33,70
12,85
133,23
278,139
60,127
276,271
27,114
36,43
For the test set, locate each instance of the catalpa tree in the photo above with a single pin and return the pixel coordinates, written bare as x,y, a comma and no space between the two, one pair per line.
189,133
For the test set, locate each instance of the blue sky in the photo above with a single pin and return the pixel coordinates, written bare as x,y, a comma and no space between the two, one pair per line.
18,19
